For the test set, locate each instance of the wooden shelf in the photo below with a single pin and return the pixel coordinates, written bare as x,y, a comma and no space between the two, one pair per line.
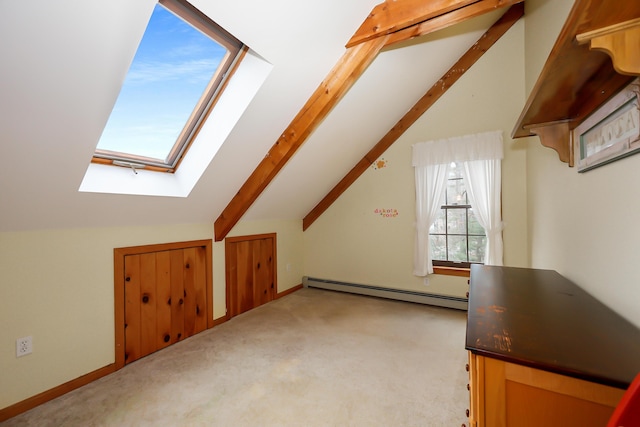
580,75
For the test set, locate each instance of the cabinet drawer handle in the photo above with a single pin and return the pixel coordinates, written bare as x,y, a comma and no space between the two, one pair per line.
466,367
468,387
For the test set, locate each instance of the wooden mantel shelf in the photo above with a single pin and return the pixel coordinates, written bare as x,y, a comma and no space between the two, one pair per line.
598,38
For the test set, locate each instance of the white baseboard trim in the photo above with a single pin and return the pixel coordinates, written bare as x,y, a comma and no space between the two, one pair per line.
396,294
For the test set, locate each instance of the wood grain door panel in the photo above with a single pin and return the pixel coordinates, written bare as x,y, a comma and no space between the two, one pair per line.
163,301
177,296
148,296
250,271
244,278
165,297
199,272
262,271
132,323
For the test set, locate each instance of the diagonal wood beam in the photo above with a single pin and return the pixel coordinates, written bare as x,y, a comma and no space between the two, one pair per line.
395,15
336,84
443,21
465,62
326,96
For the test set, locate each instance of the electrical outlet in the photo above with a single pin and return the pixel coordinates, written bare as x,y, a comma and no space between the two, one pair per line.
24,346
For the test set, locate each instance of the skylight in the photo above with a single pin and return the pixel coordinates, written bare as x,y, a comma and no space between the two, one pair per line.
176,76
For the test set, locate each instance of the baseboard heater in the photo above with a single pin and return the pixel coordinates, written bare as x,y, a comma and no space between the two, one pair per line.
397,294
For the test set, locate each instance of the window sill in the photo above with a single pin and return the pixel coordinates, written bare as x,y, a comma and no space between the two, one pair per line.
452,271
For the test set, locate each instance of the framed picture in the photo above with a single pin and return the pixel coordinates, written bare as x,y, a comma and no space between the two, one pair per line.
611,132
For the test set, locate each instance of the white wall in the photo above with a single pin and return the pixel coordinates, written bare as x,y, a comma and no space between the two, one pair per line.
351,242
582,225
57,286
585,226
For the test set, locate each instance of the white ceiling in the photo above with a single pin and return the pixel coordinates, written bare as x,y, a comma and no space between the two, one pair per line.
62,64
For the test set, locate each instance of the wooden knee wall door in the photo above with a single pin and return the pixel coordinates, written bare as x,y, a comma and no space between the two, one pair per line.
166,296
250,271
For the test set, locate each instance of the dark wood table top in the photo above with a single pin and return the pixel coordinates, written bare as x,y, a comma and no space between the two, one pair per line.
540,319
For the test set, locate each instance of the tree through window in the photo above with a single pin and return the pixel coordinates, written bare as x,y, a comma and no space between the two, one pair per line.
456,237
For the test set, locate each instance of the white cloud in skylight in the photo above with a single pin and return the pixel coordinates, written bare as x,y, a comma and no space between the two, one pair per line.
170,72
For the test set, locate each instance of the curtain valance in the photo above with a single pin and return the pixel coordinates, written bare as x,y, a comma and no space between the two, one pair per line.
481,146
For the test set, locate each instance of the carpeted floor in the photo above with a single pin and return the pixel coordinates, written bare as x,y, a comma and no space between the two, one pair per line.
312,358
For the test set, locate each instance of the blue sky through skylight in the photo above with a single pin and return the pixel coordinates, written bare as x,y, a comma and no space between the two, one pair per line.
170,72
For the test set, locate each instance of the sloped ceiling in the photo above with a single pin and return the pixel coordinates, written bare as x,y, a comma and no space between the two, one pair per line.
63,63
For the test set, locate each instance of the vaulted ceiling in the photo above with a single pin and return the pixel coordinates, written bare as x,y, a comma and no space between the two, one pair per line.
347,79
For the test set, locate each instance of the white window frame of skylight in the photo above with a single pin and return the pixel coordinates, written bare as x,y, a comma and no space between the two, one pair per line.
251,73
235,50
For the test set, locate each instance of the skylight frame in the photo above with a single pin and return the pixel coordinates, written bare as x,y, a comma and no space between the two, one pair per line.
235,52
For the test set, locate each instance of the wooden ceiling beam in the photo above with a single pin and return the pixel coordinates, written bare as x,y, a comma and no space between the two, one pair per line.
465,62
395,15
326,96
451,18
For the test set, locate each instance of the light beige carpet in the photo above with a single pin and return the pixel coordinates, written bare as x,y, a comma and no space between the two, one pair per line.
312,358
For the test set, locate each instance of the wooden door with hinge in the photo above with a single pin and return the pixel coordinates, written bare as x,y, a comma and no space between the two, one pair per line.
163,295
250,272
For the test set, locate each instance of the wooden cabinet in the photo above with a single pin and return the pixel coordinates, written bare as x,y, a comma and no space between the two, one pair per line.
250,272
508,394
543,352
476,393
163,294
165,299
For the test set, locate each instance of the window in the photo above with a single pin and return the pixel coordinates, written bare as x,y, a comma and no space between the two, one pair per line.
175,79
456,237
463,171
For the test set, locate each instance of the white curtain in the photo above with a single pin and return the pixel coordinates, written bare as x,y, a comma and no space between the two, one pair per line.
431,180
483,180
481,156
